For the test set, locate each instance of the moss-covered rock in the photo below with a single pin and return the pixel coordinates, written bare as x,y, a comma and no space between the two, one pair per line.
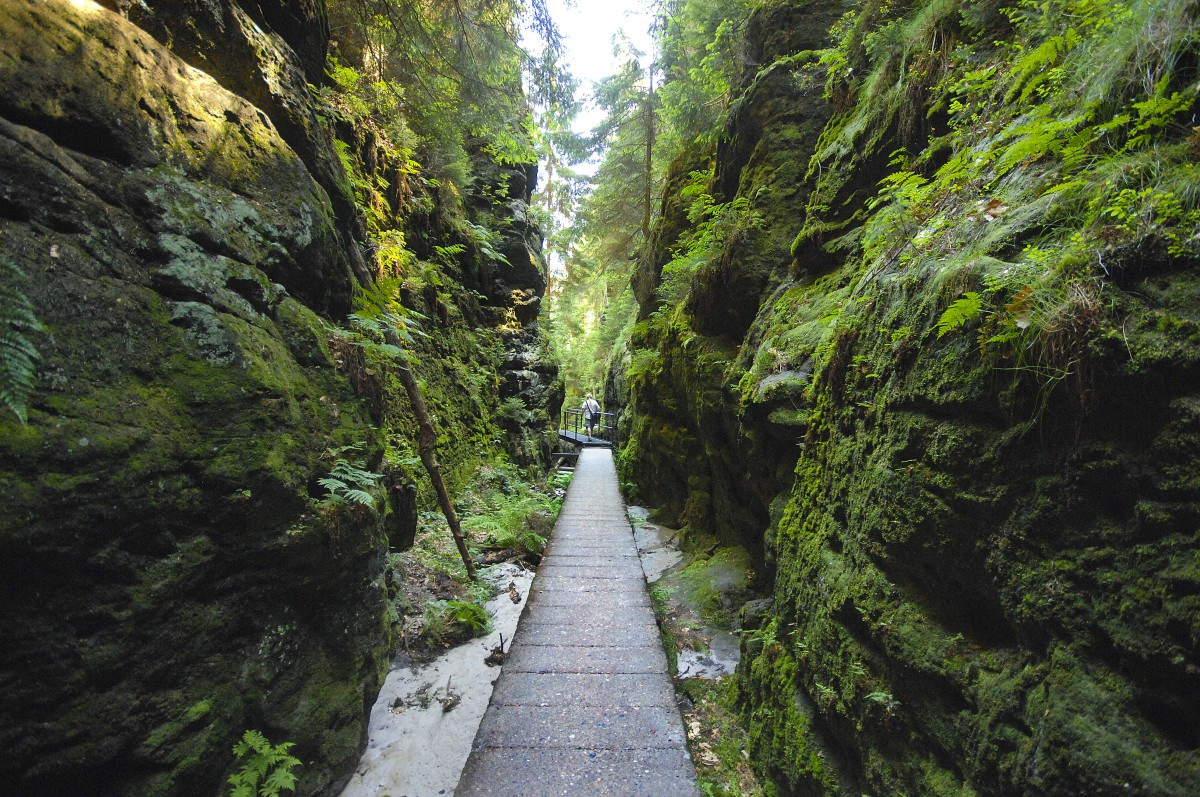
171,576
979,519
174,571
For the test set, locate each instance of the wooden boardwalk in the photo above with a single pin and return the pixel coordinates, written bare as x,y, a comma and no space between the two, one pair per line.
584,705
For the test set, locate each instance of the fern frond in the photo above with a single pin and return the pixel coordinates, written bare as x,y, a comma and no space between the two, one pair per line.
331,484
359,497
267,772
18,355
281,779
962,311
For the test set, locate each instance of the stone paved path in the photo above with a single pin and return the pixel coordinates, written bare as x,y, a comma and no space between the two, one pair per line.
584,705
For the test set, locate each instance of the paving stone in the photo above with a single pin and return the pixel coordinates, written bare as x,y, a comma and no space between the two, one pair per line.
580,658
596,552
590,601
610,622
583,689
531,772
558,569
593,560
540,632
565,583
606,727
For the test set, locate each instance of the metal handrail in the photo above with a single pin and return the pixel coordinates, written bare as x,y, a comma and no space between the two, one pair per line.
608,423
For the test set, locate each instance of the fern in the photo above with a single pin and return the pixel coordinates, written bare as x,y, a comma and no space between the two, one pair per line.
1155,112
962,311
372,323
487,240
348,483
18,355
508,526
470,614
266,769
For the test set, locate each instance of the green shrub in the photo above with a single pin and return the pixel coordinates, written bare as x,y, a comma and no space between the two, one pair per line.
517,520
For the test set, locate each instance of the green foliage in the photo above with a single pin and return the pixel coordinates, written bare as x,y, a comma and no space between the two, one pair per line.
378,104
470,614
441,616
514,410
515,520
715,229
349,482
886,701
700,55
720,749
963,310
373,322
435,78
18,355
1152,211
487,240
266,769
1022,149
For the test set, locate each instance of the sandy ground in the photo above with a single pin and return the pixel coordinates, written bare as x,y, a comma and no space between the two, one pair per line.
415,747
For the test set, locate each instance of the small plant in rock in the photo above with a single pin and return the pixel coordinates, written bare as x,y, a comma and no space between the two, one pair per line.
513,410
435,623
470,614
348,482
660,598
18,356
765,638
516,521
444,619
886,701
266,768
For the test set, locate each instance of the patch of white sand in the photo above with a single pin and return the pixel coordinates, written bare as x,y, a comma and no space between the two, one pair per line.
657,545
414,747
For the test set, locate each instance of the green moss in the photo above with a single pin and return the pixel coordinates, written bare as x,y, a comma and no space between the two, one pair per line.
782,738
717,585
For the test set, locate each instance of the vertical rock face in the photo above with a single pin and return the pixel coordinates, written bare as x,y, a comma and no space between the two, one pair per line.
166,581
530,387
984,579
170,571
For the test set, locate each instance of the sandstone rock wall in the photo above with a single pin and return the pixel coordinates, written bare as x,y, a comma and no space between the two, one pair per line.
981,558
169,575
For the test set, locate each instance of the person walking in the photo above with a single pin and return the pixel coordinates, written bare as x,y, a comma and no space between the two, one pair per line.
591,414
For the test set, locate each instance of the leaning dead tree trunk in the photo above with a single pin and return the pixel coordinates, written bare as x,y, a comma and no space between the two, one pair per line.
427,435
427,448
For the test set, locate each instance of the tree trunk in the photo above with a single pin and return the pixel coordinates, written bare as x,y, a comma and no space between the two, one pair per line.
427,448
647,205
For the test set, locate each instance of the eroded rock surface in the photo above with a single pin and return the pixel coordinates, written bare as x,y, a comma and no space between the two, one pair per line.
981,561
169,574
